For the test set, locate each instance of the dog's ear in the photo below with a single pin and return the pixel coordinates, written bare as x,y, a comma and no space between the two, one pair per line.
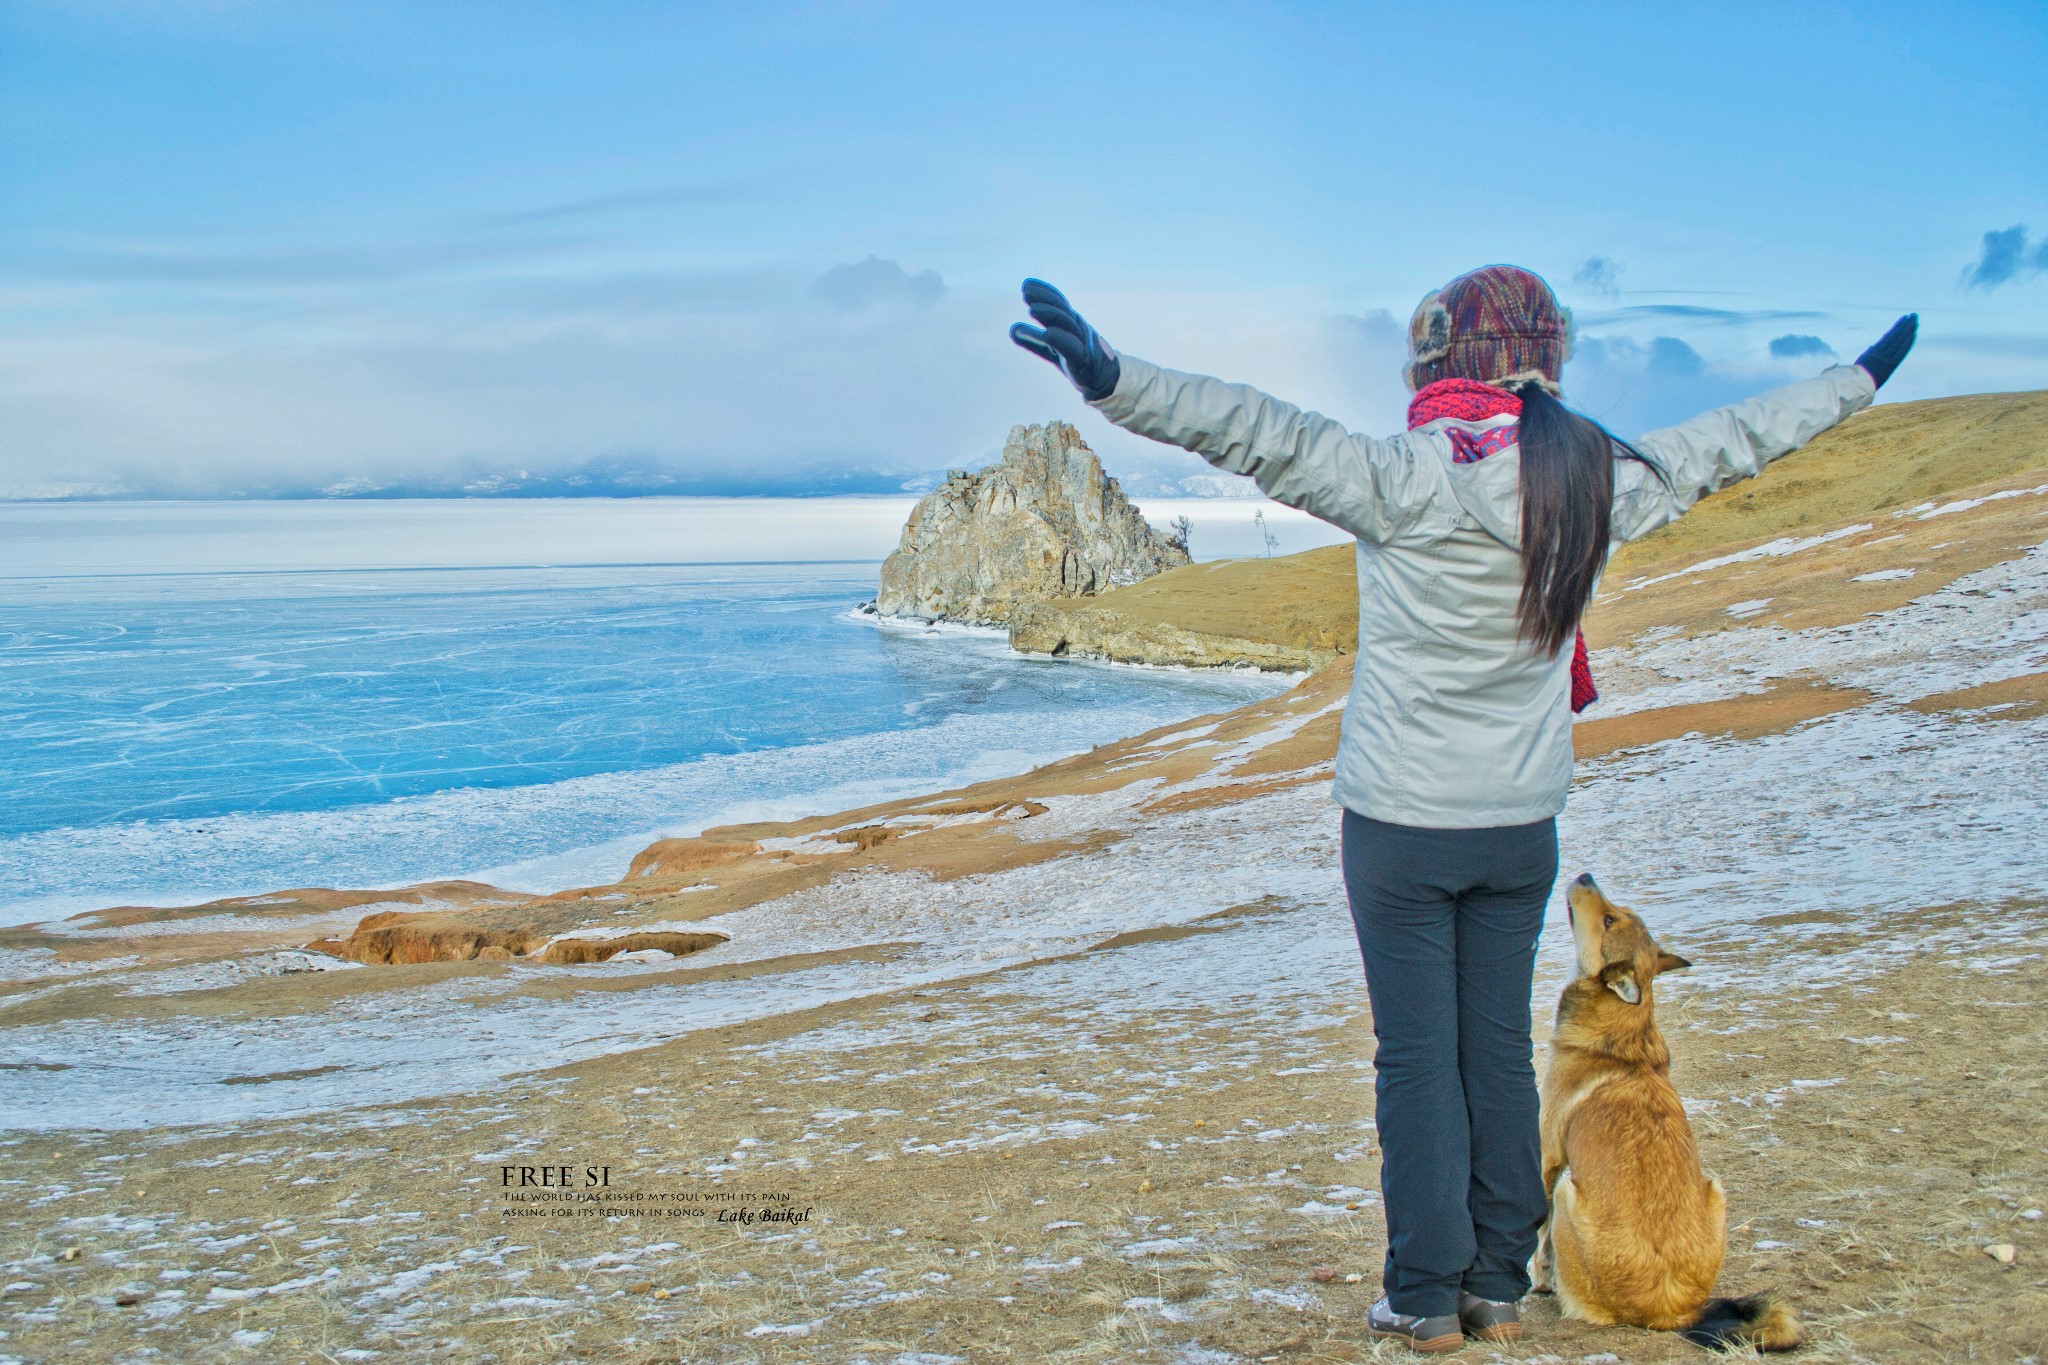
1670,962
1620,977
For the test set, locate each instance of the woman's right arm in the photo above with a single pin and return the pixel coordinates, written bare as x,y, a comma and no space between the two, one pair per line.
1375,489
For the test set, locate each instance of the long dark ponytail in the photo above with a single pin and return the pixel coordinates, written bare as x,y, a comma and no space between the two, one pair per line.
1567,509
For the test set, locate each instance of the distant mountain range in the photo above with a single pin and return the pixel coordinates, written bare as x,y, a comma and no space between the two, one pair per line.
618,479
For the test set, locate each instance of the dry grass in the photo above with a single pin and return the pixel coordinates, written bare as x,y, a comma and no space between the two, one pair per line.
1306,601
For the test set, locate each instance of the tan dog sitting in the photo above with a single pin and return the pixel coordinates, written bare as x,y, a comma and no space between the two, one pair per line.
1636,1230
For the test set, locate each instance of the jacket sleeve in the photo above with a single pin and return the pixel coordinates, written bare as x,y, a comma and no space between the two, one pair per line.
1720,447
1375,489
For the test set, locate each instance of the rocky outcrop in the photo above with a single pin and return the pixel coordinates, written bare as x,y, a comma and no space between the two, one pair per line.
1043,524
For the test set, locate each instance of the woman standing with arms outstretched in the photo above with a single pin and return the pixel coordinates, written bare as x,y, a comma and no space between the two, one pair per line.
1482,531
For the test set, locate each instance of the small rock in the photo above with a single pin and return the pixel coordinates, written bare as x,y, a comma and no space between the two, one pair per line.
928,1017
641,1288
1144,1187
68,1254
2031,1215
128,1298
2005,1253
1201,1123
1354,1278
1324,1273
661,1293
1353,1207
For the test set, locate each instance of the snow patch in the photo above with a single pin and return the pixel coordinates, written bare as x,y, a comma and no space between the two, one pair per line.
1776,549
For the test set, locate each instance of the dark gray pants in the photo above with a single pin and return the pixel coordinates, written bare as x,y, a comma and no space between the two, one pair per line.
1447,922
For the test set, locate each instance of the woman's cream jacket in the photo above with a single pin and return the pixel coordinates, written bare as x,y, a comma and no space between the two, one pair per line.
1453,722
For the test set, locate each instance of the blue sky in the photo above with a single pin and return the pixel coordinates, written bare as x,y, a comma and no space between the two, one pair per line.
292,246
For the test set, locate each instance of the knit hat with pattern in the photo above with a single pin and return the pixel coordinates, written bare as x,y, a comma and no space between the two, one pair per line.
1498,324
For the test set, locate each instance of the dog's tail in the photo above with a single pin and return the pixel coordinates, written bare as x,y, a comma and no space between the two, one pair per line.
1763,1321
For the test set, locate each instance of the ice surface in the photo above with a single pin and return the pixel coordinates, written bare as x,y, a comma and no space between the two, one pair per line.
179,737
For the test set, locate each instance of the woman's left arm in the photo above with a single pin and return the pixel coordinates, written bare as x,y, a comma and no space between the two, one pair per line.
1728,444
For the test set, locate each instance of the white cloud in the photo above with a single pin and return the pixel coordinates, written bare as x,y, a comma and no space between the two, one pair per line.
859,285
1598,274
636,368
692,370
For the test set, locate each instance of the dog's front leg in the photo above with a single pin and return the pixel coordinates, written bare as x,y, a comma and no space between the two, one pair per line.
1543,1265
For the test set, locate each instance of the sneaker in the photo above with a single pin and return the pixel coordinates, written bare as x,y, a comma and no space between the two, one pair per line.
1442,1333
1489,1320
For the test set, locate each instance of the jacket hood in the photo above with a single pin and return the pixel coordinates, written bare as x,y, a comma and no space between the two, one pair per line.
1490,491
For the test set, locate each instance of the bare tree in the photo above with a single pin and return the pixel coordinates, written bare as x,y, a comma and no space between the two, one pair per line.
1178,530
1265,532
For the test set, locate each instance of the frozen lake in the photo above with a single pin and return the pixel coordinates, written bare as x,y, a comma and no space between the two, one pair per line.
208,699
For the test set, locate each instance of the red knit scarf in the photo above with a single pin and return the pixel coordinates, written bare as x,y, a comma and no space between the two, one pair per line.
1468,400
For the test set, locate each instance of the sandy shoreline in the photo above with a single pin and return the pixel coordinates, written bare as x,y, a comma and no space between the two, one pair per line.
1075,1064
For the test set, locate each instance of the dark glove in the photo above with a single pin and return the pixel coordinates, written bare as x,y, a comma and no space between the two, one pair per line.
1062,338
1881,359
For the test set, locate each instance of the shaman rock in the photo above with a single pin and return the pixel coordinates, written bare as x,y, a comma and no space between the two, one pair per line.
1044,523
